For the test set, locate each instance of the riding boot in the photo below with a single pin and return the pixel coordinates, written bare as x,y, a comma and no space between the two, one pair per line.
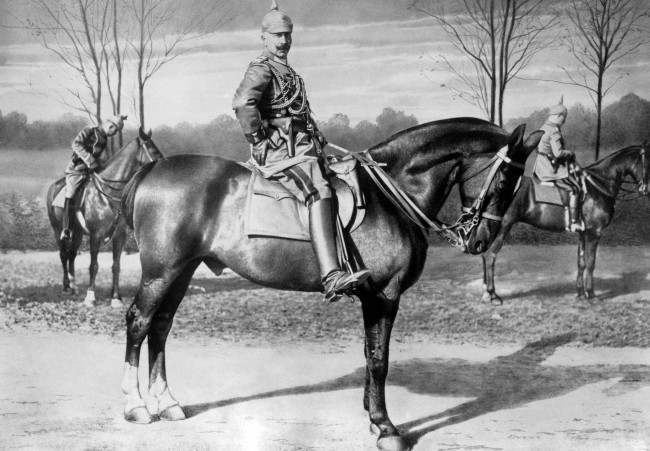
577,225
321,226
65,221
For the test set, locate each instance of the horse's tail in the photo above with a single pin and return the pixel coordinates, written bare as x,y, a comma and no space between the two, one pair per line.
52,191
128,195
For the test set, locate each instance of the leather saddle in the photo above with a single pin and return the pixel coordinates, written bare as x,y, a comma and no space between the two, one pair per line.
272,211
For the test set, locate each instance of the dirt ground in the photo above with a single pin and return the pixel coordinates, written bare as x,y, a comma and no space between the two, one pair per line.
259,369
61,391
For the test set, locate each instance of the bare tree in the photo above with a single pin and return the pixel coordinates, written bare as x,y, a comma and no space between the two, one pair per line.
603,33
500,38
114,54
76,31
161,29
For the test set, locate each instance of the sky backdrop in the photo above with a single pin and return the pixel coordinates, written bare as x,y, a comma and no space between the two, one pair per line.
356,58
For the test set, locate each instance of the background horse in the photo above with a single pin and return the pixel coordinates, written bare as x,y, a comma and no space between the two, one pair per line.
604,180
99,213
188,209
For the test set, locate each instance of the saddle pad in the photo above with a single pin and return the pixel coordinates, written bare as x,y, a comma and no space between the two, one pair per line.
272,211
547,192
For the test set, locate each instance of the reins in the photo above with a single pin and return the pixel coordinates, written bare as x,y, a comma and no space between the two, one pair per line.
455,234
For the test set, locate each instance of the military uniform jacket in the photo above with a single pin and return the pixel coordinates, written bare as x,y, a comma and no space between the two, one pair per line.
552,143
270,89
87,146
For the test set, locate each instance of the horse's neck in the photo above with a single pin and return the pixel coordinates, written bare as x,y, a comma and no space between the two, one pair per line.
122,165
612,170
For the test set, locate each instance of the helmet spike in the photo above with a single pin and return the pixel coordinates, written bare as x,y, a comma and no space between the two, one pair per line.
274,5
561,102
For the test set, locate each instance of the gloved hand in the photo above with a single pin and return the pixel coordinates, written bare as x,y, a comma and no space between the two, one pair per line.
567,156
92,164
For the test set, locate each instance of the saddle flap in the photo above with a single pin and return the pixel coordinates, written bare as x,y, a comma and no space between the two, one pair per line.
272,211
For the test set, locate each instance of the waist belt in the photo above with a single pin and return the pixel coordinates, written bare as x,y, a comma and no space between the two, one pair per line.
298,124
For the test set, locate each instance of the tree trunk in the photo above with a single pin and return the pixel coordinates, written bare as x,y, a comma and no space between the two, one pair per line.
141,57
599,109
493,80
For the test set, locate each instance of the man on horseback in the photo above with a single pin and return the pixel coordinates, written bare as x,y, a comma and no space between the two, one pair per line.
272,108
557,164
87,147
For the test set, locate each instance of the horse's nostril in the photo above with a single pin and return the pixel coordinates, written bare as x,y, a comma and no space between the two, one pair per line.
478,247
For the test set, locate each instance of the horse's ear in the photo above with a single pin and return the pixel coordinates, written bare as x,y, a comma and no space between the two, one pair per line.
143,135
517,136
149,134
532,141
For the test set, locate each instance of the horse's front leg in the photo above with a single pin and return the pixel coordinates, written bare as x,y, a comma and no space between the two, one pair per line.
580,288
591,247
378,317
489,260
89,300
119,238
63,255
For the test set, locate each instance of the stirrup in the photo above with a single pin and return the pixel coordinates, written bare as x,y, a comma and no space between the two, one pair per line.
338,283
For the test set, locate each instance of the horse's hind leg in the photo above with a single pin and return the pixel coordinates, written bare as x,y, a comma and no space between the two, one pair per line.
168,407
118,245
378,317
580,288
591,246
138,322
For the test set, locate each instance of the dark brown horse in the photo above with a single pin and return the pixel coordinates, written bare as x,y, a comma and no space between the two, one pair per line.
604,181
99,214
188,209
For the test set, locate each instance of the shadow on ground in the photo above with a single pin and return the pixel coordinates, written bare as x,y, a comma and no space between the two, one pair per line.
502,383
628,283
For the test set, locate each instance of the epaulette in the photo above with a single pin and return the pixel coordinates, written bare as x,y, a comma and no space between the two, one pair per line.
260,60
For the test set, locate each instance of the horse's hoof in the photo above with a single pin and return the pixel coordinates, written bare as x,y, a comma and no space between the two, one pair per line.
486,297
374,430
172,413
591,297
581,297
496,300
139,415
116,303
392,443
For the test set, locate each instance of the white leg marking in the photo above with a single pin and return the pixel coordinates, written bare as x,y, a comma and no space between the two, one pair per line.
130,388
89,301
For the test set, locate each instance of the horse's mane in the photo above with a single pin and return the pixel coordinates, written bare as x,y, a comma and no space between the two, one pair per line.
596,164
402,144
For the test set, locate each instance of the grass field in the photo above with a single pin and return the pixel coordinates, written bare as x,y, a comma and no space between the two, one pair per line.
537,284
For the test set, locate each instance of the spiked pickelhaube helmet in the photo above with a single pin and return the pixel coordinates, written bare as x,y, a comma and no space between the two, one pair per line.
276,20
559,108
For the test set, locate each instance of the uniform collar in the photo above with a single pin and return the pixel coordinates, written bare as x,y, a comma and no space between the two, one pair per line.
268,55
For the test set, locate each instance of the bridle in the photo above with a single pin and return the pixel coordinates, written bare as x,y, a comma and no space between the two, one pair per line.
104,185
471,216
